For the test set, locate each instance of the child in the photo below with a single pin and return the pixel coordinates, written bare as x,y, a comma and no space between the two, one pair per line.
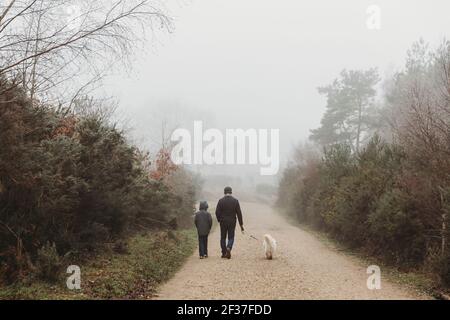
203,222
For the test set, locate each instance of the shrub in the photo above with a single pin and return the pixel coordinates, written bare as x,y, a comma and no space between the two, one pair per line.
443,269
72,180
396,230
371,200
48,263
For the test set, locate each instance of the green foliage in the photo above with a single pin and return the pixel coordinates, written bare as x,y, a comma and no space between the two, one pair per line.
365,200
397,223
390,199
72,180
48,263
350,111
443,269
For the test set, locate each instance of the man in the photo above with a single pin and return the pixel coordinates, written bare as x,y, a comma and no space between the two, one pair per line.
203,222
227,210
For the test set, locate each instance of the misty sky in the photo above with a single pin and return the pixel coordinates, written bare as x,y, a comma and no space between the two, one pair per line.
258,63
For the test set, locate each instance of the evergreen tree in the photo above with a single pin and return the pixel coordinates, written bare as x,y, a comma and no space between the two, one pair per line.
349,112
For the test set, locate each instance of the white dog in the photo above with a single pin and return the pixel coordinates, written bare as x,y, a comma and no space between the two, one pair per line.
270,246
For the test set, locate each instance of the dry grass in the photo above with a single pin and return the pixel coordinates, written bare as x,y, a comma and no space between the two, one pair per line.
151,259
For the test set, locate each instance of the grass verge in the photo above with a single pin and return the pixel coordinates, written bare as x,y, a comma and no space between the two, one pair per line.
150,260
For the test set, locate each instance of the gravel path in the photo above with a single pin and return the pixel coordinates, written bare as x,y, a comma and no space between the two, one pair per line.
304,268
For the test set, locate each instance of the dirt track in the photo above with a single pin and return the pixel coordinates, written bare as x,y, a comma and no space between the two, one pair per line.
304,268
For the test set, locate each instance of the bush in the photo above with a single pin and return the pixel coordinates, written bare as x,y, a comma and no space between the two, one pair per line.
443,269
72,180
372,200
396,230
48,263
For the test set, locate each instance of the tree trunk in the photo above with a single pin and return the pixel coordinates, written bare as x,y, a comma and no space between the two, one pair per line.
358,134
444,223
444,230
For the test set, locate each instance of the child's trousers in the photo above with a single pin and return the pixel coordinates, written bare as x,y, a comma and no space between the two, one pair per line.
203,245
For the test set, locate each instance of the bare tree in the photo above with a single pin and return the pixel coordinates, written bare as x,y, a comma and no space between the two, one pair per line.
422,123
64,47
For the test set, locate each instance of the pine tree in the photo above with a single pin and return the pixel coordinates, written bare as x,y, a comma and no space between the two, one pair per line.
349,112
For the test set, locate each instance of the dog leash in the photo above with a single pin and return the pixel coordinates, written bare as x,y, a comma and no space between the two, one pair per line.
251,236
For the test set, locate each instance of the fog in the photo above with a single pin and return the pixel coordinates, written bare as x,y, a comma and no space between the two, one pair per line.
258,63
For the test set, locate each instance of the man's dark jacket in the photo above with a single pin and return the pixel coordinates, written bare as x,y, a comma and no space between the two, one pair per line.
203,222
228,209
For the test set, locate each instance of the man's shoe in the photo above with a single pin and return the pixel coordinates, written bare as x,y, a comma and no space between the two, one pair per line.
228,256
201,257
224,255
206,256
